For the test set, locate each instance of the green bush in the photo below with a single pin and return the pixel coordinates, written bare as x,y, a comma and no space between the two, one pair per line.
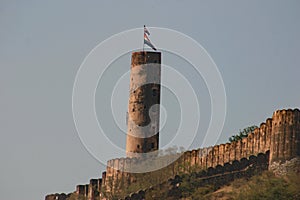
242,133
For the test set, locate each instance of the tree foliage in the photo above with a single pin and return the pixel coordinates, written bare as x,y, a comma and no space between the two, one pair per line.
242,133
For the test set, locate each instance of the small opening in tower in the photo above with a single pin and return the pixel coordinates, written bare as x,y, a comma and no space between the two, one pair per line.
138,146
132,110
152,145
154,92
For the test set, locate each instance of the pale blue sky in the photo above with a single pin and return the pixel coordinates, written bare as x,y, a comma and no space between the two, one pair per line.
255,44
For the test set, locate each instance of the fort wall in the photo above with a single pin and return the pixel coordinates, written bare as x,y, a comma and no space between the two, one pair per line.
278,137
217,176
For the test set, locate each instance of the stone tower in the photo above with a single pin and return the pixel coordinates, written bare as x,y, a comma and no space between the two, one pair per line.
144,100
285,137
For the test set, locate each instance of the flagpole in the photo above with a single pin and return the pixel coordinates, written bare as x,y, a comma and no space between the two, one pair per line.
144,38
147,40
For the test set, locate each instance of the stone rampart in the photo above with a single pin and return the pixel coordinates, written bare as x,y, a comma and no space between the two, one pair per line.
279,137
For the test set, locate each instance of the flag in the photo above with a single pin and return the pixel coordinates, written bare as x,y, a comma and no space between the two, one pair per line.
146,30
147,40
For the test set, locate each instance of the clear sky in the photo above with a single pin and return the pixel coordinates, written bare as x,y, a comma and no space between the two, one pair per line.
255,45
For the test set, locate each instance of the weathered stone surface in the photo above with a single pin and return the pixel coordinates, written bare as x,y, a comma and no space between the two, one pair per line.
144,101
283,168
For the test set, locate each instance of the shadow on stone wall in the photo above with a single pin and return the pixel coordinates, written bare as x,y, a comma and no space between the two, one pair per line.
217,176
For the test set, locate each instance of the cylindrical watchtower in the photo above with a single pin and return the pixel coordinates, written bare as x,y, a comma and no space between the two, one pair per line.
144,100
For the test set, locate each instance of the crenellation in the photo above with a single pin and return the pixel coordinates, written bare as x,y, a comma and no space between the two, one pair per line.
201,156
256,135
210,158
86,190
109,167
187,160
80,190
262,137
202,152
121,164
244,147
116,167
215,153
220,154
268,134
103,178
57,196
232,152
227,152
99,185
250,143
241,144
180,161
194,157
93,190
127,164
